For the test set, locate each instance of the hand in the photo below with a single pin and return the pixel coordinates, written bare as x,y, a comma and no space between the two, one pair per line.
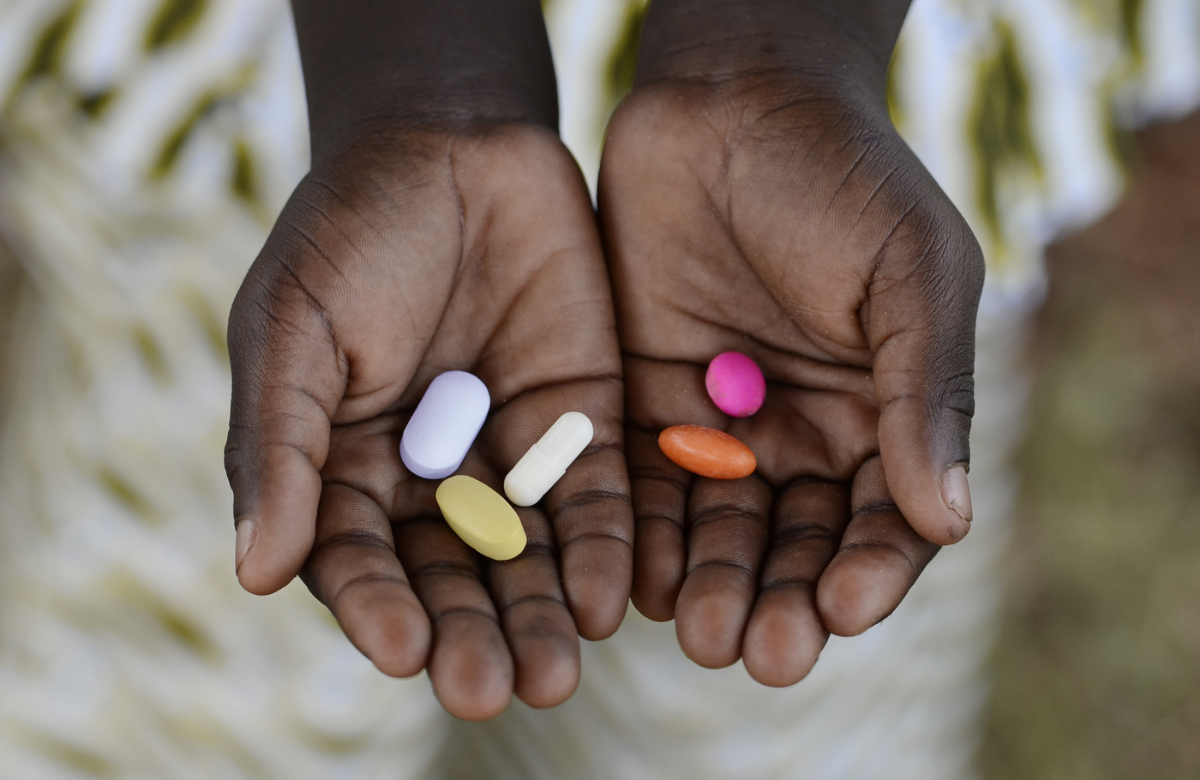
774,211
395,260
443,226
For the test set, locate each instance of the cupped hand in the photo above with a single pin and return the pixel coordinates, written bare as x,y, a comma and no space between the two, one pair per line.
404,255
759,215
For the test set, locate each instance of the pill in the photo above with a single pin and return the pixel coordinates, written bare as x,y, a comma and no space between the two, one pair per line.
547,460
735,384
481,517
707,452
444,425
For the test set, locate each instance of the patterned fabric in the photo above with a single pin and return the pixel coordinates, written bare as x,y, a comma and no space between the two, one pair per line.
145,146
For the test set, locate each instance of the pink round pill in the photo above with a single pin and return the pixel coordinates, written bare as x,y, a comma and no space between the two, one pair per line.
735,384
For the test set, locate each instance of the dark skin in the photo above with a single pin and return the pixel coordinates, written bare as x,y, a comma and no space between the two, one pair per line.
755,197
431,234
444,226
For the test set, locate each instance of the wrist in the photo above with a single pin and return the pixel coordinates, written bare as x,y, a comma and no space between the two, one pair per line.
372,65
829,45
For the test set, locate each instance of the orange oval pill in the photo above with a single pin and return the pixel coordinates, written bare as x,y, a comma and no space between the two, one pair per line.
707,452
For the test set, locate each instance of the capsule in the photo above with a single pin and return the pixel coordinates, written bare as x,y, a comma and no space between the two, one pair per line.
707,452
735,384
481,517
547,460
444,424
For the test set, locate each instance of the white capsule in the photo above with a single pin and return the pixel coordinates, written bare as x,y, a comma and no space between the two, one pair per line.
546,462
444,425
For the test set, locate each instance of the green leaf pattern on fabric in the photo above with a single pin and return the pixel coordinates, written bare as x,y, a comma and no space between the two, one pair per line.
174,20
1001,131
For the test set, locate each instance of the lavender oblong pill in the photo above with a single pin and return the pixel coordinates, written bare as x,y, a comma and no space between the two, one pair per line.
444,425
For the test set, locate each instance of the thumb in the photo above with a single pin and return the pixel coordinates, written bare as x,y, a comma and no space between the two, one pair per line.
288,378
922,307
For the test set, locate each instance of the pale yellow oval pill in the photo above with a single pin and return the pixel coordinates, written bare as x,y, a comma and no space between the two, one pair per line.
481,517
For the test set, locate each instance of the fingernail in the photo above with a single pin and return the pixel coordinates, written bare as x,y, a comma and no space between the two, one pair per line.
246,534
956,493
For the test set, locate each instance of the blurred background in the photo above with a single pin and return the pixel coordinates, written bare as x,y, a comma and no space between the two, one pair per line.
1097,670
145,147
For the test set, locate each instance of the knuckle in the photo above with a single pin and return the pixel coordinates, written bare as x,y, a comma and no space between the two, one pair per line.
956,393
932,247
233,458
725,512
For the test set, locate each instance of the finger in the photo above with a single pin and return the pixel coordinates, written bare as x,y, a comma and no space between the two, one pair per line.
535,618
589,506
288,376
541,645
727,537
555,350
353,570
470,666
921,322
659,492
593,521
785,634
880,558
660,394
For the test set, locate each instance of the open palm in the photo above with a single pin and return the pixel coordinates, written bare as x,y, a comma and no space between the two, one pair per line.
756,216
399,258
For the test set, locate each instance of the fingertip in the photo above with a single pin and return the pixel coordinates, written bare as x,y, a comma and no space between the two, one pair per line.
260,583
597,579
276,531
470,668
602,621
924,457
263,570
544,642
956,495
784,637
247,534
659,562
388,625
948,521
936,506
548,674
941,526
659,607
953,534
861,587
711,616
401,659
270,561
